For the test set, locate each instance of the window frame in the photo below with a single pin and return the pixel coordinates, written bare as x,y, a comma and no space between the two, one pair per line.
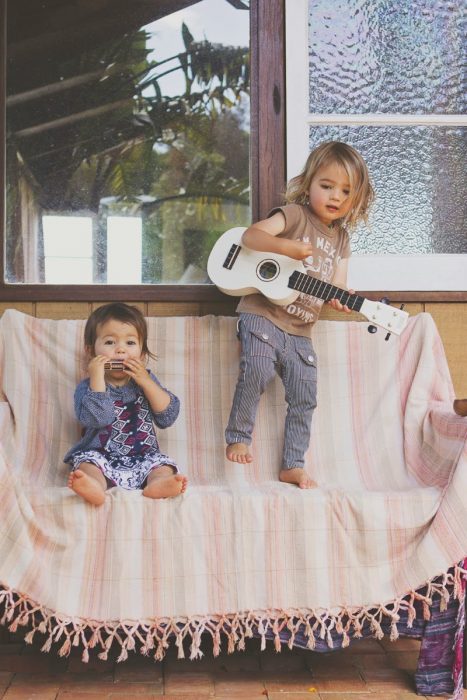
299,118
267,167
267,164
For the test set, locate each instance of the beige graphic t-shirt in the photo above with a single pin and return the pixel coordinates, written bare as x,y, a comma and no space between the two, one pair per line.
330,245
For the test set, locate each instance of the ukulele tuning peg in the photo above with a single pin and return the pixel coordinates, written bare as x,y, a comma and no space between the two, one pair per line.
384,300
387,336
372,329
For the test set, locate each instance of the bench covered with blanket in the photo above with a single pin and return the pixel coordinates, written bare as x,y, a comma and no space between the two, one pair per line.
375,550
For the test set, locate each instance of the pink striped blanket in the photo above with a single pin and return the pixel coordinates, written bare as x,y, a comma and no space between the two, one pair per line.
239,550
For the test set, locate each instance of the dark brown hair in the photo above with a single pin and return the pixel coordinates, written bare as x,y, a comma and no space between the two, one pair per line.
117,311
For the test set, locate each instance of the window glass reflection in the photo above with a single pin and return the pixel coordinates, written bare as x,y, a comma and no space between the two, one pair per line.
419,177
377,56
141,118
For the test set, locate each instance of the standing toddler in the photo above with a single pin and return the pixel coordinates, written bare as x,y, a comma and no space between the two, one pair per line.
326,200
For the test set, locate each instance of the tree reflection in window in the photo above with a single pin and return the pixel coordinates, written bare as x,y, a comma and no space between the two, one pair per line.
114,129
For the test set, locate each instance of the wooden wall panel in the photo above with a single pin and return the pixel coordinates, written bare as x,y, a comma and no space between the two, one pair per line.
62,309
451,320
27,307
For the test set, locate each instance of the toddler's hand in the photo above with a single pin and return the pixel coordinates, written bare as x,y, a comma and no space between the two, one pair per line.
336,304
96,373
298,250
96,367
137,371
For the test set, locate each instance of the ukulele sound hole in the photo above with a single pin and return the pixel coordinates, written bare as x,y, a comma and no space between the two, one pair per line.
267,270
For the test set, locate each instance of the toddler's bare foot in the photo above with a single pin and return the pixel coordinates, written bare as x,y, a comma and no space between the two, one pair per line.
166,486
238,452
88,488
297,476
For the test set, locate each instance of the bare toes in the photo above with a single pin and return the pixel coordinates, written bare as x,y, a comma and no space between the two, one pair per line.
165,487
86,487
299,477
238,452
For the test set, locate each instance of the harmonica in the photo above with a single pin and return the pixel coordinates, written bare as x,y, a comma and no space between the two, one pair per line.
114,364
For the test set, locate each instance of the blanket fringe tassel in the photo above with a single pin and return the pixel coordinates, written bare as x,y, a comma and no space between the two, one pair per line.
153,637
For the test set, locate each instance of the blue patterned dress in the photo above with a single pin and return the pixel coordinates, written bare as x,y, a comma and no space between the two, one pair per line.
118,432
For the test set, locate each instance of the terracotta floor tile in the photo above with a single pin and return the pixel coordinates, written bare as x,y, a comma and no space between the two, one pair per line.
247,685
343,673
401,644
188,683
35,679
349,696
75,695
107,687
143,696
388,679
139,669
375,661
369,670
95,666
405,660
356,685
239,662
333,659
11,648
184,697
365,646
382,695
290,682
311,695
283,660
32,692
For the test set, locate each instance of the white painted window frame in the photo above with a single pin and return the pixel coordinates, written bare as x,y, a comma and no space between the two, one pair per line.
370,272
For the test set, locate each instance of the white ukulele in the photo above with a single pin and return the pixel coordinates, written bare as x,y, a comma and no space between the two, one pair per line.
238,270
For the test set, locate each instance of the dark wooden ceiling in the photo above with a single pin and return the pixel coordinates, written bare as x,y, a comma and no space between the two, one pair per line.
43,32
72,71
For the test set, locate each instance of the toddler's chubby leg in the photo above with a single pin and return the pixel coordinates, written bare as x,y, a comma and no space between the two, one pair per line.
239,452
297,476
88,482
164,483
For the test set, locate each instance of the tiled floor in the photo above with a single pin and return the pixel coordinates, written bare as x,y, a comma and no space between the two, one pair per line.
368,670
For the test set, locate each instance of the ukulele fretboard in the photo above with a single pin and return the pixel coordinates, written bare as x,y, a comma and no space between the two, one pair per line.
323,290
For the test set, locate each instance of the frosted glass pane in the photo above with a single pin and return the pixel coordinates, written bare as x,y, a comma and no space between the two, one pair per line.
124,249
67,236
381,56
419,175
68,270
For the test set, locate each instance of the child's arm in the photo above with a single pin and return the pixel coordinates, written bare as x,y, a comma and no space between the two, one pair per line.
264,234
164,405
94,409
340,280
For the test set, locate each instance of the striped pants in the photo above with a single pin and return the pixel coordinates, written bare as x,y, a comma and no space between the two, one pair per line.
267,350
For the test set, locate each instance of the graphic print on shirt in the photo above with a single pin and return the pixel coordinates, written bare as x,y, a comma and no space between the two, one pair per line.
132,431
321,264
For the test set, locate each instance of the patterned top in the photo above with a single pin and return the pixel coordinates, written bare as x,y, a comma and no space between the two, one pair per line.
330,246
119,420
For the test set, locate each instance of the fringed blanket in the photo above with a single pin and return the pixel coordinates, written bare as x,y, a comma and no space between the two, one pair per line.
238,553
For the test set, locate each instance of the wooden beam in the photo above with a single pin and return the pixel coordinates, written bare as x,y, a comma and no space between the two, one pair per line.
105,25
52,88
73,118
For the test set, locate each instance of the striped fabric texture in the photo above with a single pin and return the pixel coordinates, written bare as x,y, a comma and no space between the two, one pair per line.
239,550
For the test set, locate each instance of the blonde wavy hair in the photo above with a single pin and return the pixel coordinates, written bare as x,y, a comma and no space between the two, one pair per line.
331,152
